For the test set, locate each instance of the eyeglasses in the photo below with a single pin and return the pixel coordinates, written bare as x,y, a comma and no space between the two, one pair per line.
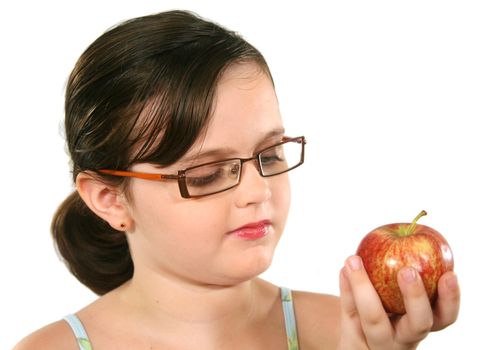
215,177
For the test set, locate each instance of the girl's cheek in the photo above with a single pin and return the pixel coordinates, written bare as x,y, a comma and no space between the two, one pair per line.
282,190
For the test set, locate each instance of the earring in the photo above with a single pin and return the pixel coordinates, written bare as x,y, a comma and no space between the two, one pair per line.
122,225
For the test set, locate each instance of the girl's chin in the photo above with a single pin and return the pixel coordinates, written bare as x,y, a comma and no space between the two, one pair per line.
251,267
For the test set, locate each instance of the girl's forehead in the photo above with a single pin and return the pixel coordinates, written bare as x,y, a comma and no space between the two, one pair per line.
245,117
245,108
243,71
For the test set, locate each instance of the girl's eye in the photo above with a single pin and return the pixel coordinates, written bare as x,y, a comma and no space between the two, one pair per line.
199,181
271,159
273,155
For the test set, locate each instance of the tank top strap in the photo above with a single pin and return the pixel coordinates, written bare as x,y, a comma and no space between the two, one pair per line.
79,332
289,319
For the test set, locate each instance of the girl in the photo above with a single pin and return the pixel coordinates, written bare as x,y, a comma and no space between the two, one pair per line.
181,161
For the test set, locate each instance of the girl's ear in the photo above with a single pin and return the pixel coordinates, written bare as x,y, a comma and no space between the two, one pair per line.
105,201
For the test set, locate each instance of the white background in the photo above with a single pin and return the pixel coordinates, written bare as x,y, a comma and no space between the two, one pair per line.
389,95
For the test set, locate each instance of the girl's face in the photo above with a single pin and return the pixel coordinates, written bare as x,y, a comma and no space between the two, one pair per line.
193,239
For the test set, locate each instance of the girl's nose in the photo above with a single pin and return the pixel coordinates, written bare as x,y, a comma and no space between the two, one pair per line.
253,188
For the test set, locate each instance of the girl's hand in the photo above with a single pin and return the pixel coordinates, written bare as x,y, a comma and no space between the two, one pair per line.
366,325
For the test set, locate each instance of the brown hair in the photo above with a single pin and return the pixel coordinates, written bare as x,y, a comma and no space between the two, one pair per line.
142,92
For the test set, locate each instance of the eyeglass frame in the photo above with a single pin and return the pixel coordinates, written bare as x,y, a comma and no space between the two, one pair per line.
181,176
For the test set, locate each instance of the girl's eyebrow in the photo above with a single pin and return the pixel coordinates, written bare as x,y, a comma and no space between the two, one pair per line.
270,136
227,151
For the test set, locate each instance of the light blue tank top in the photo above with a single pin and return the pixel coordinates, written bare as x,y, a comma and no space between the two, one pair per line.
287,308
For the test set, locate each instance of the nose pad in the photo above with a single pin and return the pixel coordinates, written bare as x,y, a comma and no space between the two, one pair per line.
234,172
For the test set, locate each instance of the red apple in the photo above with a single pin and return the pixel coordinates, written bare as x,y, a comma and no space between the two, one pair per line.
386,249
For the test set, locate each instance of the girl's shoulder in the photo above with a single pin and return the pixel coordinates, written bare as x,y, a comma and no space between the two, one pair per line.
318,319
57,335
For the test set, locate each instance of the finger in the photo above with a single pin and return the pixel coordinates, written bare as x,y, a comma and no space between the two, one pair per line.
351,332
446,306
418,320
374,320
348,306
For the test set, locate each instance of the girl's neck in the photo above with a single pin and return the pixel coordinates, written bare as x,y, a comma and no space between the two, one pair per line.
171,314
173,300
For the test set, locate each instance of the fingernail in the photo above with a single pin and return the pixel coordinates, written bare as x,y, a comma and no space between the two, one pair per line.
408,274
355,263
452,282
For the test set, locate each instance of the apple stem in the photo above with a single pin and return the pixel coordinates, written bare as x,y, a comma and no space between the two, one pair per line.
414,222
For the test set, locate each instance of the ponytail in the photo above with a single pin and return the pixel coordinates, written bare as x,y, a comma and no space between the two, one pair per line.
95,253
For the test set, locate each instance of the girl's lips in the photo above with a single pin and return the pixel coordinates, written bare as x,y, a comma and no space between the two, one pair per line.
253,230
